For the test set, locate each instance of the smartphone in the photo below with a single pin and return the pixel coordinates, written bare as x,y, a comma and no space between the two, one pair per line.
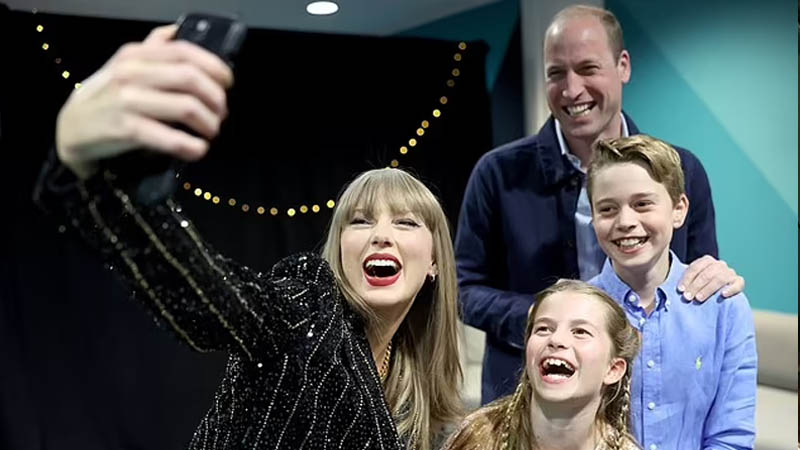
152,177
222,36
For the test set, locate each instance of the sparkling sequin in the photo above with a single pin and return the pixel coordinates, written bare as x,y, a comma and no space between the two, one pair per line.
300,374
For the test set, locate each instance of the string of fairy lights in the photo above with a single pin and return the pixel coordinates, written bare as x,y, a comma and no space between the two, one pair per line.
258,208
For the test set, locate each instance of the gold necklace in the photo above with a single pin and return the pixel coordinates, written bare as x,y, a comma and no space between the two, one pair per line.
383,370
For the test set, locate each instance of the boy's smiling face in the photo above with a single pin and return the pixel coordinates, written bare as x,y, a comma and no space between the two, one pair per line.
634,218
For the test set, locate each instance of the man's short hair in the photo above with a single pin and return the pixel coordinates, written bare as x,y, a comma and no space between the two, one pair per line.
616,43
659,158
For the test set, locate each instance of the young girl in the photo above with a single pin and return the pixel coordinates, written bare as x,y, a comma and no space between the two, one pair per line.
575,390
354,349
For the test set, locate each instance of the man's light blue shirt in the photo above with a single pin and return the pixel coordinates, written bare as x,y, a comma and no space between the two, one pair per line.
590,255
694,382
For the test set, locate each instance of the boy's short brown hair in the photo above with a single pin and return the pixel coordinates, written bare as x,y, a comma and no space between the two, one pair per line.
659,158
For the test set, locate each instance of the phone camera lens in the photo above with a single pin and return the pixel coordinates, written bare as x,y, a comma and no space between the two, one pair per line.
202,25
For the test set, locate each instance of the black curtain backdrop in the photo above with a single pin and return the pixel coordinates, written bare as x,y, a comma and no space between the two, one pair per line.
84,367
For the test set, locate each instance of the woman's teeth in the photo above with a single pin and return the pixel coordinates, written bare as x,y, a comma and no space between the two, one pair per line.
381,267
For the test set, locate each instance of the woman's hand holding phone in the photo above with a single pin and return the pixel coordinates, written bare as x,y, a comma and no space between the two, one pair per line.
134,99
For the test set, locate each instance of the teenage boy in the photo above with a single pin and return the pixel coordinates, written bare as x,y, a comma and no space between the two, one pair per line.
694,382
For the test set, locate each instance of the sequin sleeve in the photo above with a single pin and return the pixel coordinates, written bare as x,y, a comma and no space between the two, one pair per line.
207,300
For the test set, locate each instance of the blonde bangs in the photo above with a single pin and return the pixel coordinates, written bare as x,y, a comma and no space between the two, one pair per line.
422,389
392,188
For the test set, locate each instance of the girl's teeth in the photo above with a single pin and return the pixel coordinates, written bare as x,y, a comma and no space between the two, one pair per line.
557,375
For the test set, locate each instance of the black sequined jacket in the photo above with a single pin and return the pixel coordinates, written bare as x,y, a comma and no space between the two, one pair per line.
300,373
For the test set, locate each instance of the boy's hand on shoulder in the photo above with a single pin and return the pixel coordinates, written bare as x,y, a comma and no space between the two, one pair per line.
706,275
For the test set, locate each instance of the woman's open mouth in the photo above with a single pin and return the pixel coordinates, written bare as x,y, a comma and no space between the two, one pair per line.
381,269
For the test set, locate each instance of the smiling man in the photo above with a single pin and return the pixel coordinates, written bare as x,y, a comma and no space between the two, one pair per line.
526,219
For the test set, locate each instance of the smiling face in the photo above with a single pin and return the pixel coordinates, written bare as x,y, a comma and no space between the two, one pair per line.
634,218
386,256
584,79
569,355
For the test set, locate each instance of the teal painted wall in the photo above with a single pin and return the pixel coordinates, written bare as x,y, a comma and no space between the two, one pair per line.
493,24
720,78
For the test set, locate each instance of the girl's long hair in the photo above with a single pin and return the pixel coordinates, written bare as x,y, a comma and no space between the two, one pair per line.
505,423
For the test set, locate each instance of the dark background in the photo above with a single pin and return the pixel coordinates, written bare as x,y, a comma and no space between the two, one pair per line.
82,366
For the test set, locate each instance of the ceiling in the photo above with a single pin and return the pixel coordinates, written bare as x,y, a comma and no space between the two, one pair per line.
365,17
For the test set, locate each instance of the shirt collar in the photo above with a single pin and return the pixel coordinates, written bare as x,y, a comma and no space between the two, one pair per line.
562,143
619,290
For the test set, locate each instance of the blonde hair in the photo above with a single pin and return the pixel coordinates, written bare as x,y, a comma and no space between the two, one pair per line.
505,423
659,158
616,42
422,388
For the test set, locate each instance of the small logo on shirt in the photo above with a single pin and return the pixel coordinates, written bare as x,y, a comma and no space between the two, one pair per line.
698,363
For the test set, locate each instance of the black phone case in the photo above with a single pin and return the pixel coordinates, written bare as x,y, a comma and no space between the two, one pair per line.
220,35
151,177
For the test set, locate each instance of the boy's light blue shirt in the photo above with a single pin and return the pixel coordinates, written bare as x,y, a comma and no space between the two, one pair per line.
694,382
